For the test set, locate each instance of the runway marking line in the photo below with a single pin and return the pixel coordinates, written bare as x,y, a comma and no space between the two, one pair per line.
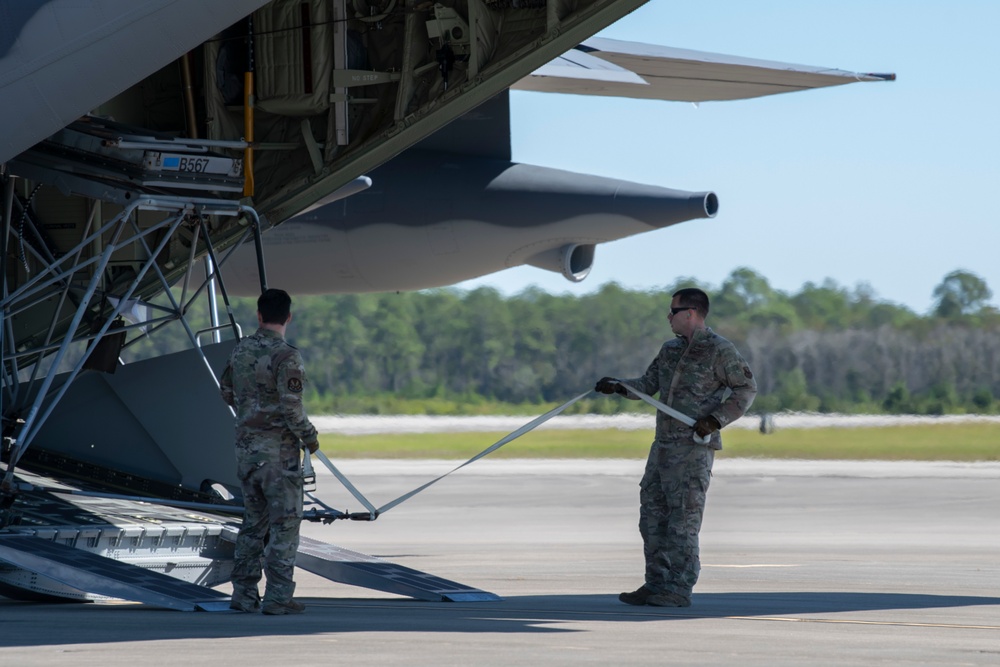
957,626
753,565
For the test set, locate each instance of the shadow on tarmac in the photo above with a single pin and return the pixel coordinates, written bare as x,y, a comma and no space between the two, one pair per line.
43,624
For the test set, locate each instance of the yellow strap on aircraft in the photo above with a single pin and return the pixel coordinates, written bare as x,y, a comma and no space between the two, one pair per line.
248,183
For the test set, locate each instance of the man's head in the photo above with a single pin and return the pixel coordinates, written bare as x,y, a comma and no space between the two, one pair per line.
274,306
688,310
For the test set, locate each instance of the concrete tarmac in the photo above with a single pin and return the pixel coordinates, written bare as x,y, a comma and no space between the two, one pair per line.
803,563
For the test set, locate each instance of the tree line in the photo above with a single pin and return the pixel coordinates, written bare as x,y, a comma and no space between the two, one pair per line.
824,348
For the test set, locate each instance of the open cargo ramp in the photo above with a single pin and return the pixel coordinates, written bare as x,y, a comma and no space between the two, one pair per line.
89,572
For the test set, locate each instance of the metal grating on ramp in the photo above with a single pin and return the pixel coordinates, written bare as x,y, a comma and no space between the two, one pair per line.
96,574
357,569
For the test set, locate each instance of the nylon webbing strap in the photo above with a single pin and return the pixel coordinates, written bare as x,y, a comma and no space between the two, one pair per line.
346,482
662,407
514,435
669,411
533,424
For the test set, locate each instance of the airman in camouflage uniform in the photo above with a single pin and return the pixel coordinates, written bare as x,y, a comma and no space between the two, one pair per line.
700,374
263,382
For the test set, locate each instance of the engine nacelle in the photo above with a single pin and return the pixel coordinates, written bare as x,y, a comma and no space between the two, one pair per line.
431,219
573,260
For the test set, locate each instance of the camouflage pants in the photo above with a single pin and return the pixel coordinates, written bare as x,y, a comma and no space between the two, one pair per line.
272,498
671,504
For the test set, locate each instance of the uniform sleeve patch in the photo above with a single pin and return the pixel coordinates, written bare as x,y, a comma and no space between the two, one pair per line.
295,385
746,371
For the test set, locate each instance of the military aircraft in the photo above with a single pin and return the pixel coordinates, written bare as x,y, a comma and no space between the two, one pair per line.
455,207
361,145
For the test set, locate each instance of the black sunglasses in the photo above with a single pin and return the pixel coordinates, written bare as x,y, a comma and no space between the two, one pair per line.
674,311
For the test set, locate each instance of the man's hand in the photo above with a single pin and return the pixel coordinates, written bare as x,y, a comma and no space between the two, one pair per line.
313,447
706,426
607,385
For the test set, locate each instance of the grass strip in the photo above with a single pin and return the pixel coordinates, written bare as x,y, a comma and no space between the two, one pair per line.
938,442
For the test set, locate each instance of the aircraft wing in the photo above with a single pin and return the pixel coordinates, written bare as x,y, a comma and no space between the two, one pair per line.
615,68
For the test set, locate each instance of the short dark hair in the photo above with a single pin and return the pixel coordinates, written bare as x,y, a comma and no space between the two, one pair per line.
692,297
274,305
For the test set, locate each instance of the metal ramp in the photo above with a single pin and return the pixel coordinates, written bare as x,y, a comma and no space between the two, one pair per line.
357,569
89,572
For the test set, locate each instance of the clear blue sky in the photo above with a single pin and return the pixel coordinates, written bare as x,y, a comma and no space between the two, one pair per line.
890,184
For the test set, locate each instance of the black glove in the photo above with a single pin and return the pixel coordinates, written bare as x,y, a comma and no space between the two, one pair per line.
313,446
607,385
706,426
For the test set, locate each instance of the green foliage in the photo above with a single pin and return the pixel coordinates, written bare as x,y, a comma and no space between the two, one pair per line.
960,293
825,348
941,399
793,392
897,401
825,307
983,400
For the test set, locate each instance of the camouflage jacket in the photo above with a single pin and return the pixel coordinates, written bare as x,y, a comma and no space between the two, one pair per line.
263,382
704,377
